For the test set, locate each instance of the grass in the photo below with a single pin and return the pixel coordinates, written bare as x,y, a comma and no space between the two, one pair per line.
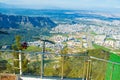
117,50
110,39
93,33
101,47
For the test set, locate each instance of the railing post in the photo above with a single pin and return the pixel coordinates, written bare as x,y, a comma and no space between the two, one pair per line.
42,60
62,72
88,70
112,71
84,69
42,66
20,63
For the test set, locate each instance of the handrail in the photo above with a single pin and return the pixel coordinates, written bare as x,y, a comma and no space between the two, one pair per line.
57,54
104,60
88,65
69,54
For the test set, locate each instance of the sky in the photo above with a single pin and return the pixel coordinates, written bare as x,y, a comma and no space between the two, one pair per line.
65,4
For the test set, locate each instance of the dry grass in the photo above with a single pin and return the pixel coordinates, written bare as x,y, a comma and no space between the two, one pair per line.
8,77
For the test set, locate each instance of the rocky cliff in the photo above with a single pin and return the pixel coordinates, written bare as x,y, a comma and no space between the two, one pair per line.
14,21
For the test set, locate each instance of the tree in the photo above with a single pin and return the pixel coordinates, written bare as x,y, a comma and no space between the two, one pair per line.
17,46
3,65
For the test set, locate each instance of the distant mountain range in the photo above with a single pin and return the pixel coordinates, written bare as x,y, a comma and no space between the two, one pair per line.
25,26
13,21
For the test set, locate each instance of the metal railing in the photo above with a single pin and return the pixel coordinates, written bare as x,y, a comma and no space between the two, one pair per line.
78,66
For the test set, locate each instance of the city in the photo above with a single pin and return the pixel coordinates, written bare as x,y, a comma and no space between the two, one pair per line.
59,40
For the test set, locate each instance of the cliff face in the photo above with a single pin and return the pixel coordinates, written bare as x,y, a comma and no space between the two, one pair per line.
13,21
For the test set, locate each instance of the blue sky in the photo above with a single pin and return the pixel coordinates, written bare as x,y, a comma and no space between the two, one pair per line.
65,4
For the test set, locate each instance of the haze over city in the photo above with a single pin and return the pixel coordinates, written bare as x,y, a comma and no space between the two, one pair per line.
64,4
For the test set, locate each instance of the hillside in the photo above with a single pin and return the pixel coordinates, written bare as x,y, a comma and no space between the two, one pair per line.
25,26
13,21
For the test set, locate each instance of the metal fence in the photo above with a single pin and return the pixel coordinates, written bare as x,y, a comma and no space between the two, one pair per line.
73,66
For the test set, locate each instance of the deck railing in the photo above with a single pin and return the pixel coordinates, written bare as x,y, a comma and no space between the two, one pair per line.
75,66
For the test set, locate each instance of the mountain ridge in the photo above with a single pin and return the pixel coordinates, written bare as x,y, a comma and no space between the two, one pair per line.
14,21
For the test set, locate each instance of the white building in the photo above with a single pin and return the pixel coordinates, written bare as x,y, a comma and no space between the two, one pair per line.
35,43
59,38
109,43
117,44
99,39
116,37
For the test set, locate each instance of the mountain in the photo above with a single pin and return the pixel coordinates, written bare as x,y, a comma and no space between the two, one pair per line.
13,21
25,26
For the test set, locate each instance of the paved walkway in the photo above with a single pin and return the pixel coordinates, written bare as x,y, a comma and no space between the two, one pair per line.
46,78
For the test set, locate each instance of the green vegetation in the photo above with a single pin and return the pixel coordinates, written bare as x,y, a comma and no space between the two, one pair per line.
113,70
17,47
3,65
34,68
100,47
73,66
110,39
27,35
37,49
66,66
33,49
98,67
117,50
93,33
